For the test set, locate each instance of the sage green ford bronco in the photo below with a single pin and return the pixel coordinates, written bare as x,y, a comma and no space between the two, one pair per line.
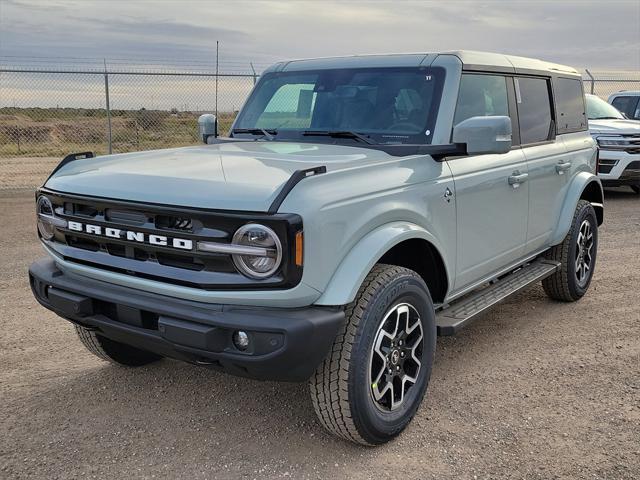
359,207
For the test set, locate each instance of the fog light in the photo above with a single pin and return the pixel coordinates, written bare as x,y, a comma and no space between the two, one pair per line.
241,340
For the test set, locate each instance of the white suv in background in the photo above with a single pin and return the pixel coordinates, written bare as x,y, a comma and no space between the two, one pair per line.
628,102
619,142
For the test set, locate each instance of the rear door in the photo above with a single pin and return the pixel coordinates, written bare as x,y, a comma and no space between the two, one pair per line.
491,208
547,162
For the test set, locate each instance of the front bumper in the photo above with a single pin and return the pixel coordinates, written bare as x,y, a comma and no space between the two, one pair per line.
619,168
285,344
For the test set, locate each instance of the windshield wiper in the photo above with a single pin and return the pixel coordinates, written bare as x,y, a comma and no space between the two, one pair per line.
606,118
268,134
338,134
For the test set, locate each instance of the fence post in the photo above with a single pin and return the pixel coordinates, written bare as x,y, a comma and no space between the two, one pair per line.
254,73
217,73
106,93
592,80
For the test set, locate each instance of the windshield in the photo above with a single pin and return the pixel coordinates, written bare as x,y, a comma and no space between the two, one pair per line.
373,105
598,109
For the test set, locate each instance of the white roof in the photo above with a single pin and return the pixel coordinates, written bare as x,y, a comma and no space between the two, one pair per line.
471,60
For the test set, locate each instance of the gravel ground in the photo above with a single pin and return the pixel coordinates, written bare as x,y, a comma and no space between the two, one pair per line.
23,172
533,389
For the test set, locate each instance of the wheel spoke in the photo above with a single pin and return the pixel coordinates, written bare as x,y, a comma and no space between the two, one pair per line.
402,316
379,394
394,403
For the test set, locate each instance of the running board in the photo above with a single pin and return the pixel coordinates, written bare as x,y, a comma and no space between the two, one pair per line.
461,312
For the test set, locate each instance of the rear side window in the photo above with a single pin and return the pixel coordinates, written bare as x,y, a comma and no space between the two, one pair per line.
628,105
534,109
570,107
481,96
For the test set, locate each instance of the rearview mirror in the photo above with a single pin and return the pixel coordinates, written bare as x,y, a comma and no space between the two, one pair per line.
207,126
484,135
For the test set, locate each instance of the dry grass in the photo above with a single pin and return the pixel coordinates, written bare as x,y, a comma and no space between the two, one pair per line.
49,132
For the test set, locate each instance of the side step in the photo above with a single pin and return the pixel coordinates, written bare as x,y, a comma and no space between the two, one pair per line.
460,312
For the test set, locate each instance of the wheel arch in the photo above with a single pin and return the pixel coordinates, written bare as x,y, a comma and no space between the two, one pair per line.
395,244
585,186
593,193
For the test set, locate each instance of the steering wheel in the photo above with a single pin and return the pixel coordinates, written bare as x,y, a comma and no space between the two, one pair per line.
404,126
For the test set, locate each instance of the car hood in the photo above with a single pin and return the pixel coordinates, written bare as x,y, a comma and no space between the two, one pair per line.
228,176
618,127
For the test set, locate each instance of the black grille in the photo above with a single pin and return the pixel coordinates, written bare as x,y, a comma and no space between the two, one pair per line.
169,222
166,263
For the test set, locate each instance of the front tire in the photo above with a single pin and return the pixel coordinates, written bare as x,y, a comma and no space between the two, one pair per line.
577,256
112,351
372,382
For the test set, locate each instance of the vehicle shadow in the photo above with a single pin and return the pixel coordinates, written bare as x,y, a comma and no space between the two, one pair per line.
612,193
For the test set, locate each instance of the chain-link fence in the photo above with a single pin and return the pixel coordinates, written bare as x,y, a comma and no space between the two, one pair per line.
47,114
604,83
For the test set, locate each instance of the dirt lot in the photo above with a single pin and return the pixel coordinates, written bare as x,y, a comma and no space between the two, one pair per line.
534,389
23,172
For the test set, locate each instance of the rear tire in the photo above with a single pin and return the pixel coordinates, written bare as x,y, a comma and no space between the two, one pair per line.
112,351
372,382
636,188
577,256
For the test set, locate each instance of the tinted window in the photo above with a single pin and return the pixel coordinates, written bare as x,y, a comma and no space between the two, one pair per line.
569,105
627,104
534,109
481,96
389,105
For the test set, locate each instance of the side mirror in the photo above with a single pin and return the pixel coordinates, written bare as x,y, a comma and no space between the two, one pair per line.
207,126
484,135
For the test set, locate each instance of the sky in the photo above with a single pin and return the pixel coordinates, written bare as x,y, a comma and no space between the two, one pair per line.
600,34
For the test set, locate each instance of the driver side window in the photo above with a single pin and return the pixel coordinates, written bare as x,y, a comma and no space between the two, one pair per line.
481,96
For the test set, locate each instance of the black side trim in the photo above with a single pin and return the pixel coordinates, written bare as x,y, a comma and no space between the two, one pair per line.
438,152
70,158
295,178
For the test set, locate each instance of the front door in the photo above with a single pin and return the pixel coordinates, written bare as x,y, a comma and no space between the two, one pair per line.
492,200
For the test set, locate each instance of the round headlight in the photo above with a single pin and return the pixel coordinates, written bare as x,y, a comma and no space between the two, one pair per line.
258,266
44,208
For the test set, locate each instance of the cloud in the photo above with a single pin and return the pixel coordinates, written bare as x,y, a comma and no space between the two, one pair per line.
598,35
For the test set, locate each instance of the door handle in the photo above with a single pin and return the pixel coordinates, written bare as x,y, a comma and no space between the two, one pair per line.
517,178
563,167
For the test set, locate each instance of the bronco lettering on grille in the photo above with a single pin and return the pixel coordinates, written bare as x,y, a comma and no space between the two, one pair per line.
139,237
